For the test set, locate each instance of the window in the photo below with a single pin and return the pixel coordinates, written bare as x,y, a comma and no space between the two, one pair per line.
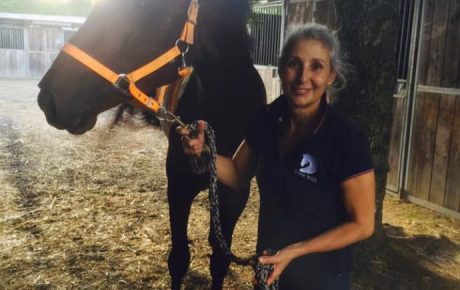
11,38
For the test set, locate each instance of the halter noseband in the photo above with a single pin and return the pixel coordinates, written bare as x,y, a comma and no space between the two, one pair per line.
126,83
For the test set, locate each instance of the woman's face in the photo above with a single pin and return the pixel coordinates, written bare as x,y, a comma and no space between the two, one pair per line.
307,73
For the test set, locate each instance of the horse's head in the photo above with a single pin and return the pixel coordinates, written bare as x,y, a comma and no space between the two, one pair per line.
122,35
125,35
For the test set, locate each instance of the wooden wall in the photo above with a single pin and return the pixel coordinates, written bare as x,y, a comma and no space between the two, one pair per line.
435,159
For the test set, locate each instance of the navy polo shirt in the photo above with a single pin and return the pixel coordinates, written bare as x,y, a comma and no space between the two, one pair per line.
300,194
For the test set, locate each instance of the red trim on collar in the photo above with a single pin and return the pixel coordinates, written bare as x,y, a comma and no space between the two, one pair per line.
324,102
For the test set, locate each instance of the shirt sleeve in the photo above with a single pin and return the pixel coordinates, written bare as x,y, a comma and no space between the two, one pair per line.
354,155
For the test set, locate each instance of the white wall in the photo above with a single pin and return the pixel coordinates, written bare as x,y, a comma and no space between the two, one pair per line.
269,75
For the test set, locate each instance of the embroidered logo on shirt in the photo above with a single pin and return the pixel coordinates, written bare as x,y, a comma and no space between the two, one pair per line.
308,166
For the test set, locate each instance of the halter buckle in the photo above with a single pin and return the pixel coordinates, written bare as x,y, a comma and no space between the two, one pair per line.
183,48
122,83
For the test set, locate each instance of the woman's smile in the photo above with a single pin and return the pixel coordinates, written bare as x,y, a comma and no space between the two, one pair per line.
301,91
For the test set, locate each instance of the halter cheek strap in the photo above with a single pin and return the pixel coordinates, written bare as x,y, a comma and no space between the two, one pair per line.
127,82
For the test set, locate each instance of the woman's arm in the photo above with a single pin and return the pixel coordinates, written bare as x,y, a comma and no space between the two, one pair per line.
238,171
234,172
359,199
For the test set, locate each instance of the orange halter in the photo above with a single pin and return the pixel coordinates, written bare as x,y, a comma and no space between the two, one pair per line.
127,82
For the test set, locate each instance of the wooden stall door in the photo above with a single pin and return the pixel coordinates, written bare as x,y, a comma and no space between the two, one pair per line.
434,156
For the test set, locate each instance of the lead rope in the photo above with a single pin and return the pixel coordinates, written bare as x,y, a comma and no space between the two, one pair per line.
208,163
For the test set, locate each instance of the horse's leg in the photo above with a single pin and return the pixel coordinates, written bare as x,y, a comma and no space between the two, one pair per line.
180,197
231,205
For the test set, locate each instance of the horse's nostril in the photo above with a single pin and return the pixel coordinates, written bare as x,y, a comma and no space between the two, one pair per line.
46,103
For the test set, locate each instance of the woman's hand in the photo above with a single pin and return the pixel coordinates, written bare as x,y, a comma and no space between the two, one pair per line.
279,261
195,145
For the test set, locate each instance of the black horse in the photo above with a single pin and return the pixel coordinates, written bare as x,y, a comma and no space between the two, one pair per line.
225,90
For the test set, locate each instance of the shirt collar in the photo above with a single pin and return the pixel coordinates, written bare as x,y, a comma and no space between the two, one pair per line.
278,110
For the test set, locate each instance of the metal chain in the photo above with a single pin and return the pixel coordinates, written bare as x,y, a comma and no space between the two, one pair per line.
208,163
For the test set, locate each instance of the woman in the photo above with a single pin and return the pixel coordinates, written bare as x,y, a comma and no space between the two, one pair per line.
313,169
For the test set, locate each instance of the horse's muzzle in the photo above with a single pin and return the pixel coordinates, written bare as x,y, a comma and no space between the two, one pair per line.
75,122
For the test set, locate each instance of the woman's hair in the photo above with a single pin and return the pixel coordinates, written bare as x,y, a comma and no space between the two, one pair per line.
327,38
